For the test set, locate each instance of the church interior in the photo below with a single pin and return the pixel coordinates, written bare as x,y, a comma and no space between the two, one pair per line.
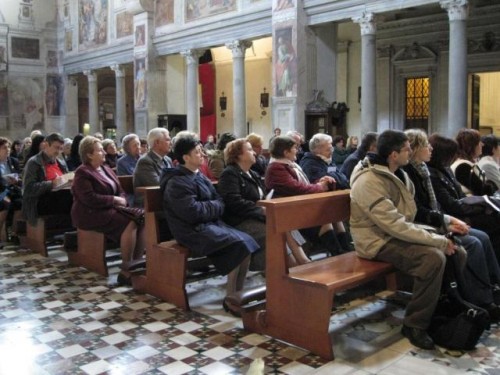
238,66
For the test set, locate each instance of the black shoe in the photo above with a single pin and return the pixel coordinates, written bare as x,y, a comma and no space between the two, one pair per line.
124,280
418,337
493,312
230,310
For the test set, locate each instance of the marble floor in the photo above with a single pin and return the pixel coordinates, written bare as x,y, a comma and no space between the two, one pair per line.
57,319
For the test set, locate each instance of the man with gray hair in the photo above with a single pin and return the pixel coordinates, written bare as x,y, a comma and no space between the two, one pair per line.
316,164
132,147
148,169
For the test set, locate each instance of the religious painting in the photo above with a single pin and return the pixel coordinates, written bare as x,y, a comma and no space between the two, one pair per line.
283,4
4,96
140,83
124,24
164,12
140,35
68,41
54,95
195,9
93,23
25,48
285,63
52,59
26,102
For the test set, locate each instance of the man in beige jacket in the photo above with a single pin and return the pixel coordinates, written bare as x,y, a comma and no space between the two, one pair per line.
382,226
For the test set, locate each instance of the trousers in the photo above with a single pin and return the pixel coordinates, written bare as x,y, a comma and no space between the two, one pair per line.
426,265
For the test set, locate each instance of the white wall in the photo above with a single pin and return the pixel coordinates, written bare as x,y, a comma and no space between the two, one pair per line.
176,85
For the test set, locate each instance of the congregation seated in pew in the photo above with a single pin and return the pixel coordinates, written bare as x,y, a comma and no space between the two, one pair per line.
286,178
98,198
194,211
241,188
42,174
148,170
10,189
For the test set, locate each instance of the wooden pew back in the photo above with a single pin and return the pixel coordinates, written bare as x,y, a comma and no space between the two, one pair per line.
299,301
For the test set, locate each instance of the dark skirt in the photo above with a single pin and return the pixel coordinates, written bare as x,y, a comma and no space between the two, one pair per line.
257,230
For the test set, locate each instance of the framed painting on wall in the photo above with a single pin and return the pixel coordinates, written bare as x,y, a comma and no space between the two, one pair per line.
124,24
164,12
25,48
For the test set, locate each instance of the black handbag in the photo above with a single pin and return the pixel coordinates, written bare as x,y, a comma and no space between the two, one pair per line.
456,324
135,214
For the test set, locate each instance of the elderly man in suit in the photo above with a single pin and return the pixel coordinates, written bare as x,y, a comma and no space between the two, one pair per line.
148,169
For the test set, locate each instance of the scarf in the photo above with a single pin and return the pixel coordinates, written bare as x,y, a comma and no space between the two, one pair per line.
424,174
301,176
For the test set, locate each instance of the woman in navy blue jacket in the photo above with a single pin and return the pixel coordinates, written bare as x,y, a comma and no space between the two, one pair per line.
194,211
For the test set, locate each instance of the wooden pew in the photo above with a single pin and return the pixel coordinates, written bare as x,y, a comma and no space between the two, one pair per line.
127,183
167,262
46,227
91,246
299,301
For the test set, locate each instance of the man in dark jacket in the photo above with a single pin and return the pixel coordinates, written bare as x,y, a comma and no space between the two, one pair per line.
42,174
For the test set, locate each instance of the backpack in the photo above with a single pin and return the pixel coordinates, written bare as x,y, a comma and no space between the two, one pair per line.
456,324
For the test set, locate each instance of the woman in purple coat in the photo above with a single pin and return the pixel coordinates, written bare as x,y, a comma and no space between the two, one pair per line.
96,196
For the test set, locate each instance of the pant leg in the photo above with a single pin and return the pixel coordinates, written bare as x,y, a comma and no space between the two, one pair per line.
426,265
476,277
489,254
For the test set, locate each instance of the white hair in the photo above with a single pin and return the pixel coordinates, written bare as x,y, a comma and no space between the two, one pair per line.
317,139
127,139
156,133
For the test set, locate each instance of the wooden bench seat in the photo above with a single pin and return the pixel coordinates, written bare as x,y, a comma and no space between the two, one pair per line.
298,301
340,272
168,264
90,250
91,246
46,228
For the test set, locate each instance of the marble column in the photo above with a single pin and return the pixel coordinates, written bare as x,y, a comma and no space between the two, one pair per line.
121,109
93,101
238,48
367,23
193,105
457,76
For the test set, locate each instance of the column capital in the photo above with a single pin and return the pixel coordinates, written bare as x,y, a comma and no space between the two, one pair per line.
119,70
238,47
458,10
192,55
367,22
91,75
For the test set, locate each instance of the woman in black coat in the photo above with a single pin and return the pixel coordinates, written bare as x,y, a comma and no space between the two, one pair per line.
482,266
194,211
473,210
241,188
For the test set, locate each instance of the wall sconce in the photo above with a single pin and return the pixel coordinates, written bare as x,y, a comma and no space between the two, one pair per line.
264,101
86,129
222,104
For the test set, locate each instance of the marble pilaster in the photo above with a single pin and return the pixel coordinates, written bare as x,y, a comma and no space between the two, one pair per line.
93,101
457,74
238,49
367,23
192,81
